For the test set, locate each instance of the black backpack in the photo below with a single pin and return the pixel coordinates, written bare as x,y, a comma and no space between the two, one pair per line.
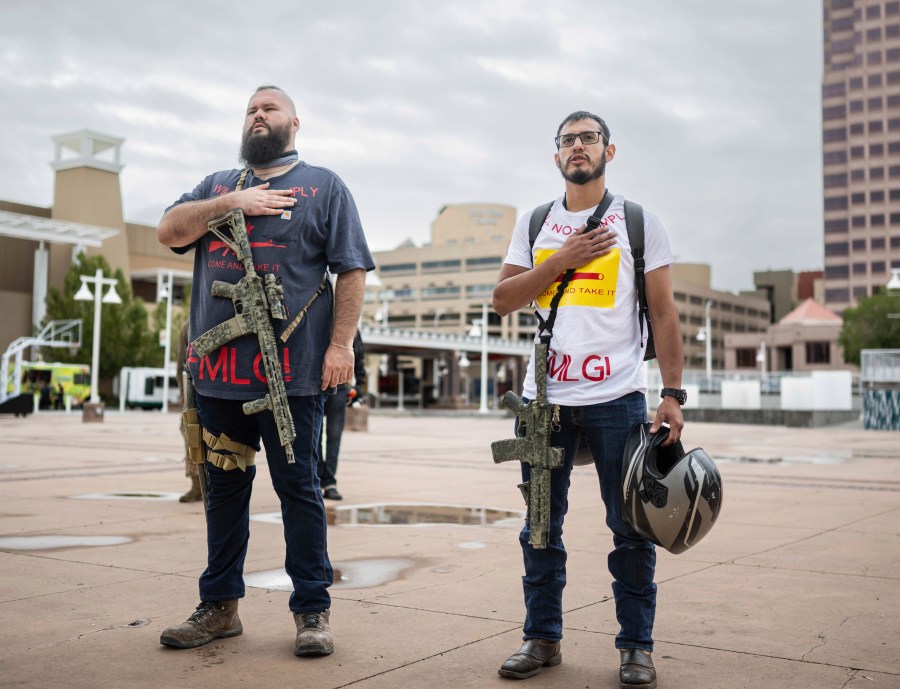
634,221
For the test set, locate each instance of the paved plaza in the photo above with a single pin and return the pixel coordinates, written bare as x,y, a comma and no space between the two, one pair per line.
797,586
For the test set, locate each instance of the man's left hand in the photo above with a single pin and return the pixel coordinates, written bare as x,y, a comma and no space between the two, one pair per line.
669,411
338,367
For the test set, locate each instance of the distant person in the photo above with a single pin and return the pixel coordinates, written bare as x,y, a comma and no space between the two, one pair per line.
60,396
333,424
595,382
194,493
46,392
304,225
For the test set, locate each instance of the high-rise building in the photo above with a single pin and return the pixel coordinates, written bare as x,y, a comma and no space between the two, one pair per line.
861,147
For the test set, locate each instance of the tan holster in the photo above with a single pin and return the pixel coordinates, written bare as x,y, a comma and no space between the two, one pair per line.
225,453
190,424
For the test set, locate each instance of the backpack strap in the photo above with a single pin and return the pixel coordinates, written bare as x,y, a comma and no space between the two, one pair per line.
634,221
538,217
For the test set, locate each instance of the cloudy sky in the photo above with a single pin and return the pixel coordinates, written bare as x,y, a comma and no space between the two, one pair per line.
713,105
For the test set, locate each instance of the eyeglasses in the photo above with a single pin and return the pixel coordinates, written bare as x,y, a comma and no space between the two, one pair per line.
587,138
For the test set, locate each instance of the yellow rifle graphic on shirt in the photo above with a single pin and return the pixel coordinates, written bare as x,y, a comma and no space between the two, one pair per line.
255,300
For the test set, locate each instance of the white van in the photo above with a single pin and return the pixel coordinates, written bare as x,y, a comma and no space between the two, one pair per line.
143,387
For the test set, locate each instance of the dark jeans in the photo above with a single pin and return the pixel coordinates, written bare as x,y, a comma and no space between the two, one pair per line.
633,560
297,487
335,411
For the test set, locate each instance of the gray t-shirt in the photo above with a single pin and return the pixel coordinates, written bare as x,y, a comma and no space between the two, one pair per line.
322,231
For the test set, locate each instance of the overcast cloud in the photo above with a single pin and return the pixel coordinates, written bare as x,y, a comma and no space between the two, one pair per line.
713,105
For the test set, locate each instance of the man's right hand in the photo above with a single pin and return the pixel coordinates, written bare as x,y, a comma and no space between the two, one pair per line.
261,200
583,247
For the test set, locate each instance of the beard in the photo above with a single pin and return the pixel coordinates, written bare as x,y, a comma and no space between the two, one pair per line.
261,148
580,176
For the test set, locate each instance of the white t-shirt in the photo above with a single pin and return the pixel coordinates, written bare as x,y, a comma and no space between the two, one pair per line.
596,353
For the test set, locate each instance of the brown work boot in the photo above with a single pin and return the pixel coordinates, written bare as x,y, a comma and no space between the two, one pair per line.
211,620
636,669
194,494
530,658
313,634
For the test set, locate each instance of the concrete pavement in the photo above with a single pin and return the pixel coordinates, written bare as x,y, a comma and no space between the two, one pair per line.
797,586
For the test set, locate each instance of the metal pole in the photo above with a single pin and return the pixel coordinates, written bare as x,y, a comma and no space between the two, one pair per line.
168,347
400,406
483,408
95,355
708,346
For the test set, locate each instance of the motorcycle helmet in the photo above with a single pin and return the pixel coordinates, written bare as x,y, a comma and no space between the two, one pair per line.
671,498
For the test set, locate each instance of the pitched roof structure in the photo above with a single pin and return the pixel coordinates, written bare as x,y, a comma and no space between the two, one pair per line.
811,312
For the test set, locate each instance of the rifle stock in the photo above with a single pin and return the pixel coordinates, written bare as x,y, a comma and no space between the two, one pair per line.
255,301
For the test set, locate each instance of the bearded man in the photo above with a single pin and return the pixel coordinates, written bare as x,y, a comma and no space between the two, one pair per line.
302,225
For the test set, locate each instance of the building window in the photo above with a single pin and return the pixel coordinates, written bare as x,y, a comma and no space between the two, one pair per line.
837,272
836,226
859,268
875,104
859,244
874,81
891,9
834,112
878,267
859,221
857,152
858,175
860,292
894,195
874,57
858,198
479,290
745,357
836,134
837,180
837,295
877,243
837,249
895,242
877,220
876,173
441,266
836,203
876,197
873,35
398,268
876,126
876,150
440,292
834,157
483,262
873,12
838,89
818,353
856,83
893,77
892,55
895,219
855,130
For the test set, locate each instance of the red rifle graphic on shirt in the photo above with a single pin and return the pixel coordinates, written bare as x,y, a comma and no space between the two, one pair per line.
217,244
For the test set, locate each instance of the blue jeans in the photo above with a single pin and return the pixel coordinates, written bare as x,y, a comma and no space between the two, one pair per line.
335,411
297,487
632,562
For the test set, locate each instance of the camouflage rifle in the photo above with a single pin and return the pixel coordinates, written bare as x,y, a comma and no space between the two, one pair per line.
254,300
533,449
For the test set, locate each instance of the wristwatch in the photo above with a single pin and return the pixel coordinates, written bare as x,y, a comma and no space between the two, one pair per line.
679,395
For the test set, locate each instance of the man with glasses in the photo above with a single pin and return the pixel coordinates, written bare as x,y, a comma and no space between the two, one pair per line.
302,224
595,382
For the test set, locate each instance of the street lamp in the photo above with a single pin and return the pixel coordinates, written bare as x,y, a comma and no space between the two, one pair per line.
111,297
166,293
481,328
705,335
761,360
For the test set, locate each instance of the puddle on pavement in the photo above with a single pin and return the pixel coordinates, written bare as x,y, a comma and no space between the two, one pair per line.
142,495
51,542
357,574
411,514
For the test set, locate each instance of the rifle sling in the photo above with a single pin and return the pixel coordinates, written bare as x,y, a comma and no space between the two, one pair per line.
546,326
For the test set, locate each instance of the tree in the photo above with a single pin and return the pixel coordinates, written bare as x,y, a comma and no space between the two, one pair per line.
868,325
126,338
